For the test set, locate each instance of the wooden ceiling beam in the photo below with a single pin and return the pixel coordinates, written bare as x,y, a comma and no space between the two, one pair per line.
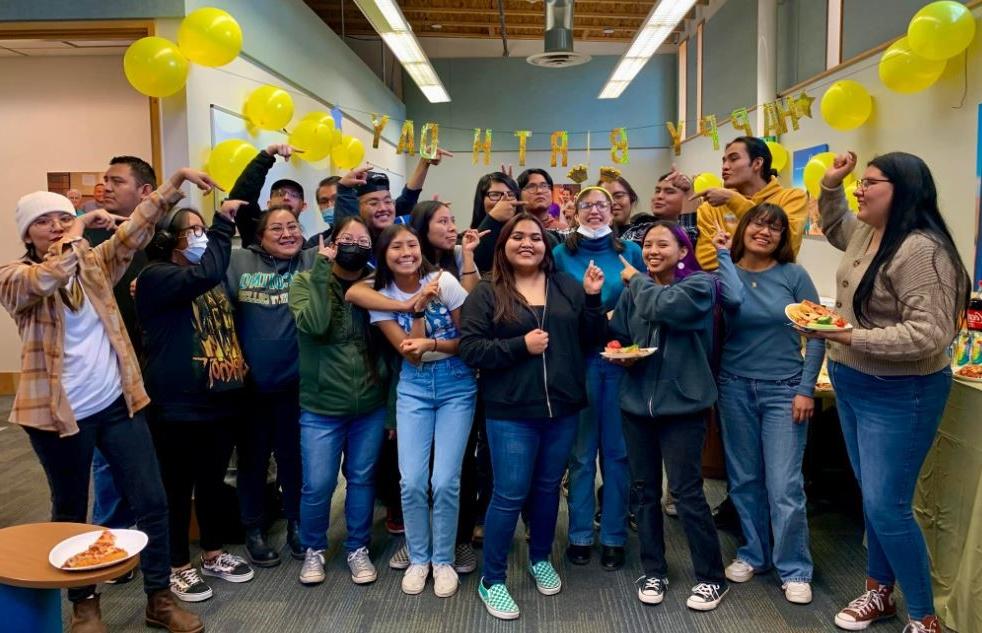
517,36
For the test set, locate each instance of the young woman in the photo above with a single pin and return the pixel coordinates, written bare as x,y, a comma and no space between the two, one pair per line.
748,180
496,200
525,331
434,403
624,200
903,286
664,401
258,282
766,398
594,244
437,230
343,390
194,371
80,384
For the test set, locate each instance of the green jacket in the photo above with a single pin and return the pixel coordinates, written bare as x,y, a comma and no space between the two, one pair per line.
334,336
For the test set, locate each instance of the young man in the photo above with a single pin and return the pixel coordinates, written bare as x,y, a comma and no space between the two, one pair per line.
314,222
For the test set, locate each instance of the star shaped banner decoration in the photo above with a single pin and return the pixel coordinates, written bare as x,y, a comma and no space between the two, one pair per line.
804,104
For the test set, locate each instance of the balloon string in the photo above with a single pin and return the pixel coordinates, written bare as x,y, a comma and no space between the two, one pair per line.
965,85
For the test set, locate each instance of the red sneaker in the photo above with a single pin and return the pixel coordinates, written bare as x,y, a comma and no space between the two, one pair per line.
876,604
393,522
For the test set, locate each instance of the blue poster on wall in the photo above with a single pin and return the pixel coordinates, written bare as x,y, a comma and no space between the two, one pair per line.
800,158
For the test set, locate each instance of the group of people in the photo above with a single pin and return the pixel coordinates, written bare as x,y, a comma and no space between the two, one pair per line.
458,375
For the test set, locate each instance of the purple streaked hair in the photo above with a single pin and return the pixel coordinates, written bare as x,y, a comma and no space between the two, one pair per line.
691,264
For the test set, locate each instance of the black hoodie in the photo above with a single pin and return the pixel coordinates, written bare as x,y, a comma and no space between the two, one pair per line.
516,384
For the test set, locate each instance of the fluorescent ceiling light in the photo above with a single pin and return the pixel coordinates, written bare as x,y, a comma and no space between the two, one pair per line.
387,19
662,20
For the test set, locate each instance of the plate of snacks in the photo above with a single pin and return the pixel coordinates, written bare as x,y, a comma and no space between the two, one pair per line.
969,373
809,315
97,549
616,351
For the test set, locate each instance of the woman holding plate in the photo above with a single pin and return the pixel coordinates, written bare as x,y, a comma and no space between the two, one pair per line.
904,287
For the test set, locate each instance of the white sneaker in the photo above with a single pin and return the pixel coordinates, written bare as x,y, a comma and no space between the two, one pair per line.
445,581
798,592
362,569
739,571
706,596
414,579
312,572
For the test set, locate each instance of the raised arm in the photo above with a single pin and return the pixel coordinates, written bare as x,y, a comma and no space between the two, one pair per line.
837,222
249,185
682,305
310,300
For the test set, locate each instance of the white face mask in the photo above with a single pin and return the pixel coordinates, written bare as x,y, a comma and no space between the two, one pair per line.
196,248
592,234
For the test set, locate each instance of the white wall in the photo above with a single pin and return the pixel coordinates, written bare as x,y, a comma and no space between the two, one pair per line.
930,124
60,114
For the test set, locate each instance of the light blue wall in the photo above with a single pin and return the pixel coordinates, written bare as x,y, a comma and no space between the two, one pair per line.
508,94
869,23
25,10
729,59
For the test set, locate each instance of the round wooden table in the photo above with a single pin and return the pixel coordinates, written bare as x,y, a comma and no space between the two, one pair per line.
30,597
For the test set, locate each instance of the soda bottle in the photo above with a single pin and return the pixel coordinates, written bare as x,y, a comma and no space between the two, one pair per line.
975,310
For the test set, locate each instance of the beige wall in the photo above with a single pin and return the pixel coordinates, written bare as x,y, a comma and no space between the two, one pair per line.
60,114
931,124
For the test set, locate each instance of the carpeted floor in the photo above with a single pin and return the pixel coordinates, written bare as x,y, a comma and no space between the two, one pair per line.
592,600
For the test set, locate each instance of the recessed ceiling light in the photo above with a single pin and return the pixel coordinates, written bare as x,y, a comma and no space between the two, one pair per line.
608,31
436,27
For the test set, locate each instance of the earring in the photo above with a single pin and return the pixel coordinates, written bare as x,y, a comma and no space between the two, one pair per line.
681,265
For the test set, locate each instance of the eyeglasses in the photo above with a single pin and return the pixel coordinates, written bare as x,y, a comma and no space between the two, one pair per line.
866,182
599,205
46,222
495,196
375,203
536,186
621,195
286,192
279,229
196,230
773,227
348,238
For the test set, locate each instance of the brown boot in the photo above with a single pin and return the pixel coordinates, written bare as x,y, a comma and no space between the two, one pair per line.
86,616
928,624
876,604
164,612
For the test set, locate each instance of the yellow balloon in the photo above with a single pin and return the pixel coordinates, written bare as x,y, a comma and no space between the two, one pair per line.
326,119
155,67
850,190
349,153
846,105
941,30
227,160
269,108
902,70
210,37
779,155
314,137
705,181
815,169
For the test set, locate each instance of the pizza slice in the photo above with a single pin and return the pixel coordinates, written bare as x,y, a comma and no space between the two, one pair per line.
103,551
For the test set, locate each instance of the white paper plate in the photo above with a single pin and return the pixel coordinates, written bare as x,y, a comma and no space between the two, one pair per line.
815,328
641,353
133,541
965,378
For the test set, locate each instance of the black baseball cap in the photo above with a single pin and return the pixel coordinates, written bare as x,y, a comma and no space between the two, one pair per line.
374,181
286,183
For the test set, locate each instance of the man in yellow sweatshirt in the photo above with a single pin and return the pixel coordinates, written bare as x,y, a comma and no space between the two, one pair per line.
749,180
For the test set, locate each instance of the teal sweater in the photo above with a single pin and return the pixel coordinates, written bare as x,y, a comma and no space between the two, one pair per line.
602,252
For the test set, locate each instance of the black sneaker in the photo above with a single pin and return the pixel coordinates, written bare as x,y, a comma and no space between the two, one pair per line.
651,589
258,550
227,567
706,596
579,554
297,550
122,580
612,558
188,585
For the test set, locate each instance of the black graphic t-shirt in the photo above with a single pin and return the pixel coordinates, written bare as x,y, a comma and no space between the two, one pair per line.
216,357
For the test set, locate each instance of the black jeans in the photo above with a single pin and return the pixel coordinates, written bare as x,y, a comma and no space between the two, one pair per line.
387,489
193,458
467,514
127,446
272,426
678,440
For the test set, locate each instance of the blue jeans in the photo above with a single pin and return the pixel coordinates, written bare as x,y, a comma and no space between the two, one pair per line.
889,424
764,449
528,458
599,429
434,413
322,440
108,507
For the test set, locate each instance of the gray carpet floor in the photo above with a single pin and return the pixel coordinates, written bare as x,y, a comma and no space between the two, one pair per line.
592,600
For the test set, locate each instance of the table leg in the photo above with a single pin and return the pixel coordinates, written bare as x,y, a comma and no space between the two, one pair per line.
30,610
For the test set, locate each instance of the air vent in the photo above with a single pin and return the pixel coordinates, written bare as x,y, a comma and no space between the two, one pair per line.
559,51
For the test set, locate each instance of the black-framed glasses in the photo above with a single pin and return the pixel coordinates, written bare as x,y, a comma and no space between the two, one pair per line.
495,196
864,183
599,205
773,227
348,238
197,230
537,186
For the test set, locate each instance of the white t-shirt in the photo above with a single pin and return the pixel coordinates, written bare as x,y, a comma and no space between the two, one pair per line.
439,322
90,372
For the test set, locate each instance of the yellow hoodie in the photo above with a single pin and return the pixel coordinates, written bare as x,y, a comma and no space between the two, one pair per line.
707,217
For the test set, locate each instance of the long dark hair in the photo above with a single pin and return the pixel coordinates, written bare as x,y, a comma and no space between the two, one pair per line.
572,242
689,263
756,148
420,220
383,274
913,207
767,212
483,186
507,299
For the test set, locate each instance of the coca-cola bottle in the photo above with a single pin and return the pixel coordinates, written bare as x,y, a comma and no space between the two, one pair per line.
975,311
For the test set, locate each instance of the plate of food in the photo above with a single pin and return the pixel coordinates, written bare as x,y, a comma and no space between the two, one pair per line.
616,351
97,549
813,316
969,373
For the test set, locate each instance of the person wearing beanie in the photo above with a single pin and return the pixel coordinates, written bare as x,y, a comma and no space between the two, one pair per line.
748,180
80,384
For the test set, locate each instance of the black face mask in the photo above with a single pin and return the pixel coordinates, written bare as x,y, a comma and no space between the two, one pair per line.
352,257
